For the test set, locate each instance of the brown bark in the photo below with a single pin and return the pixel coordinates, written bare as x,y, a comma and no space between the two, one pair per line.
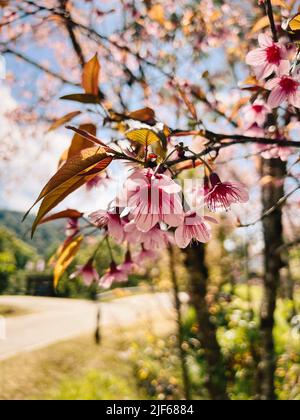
273,171
216,377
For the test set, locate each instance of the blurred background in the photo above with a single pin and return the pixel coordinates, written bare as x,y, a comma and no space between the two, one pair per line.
182,327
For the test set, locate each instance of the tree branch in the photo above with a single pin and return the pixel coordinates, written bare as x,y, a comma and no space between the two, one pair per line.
39,66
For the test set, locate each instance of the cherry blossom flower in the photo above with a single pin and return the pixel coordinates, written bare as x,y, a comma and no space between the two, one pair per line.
128,265
113,275
144,256
153,198
267,58
88,273
221,195
254,131
256,113
72,227
111,221
283,88
155,238
194,228
274,152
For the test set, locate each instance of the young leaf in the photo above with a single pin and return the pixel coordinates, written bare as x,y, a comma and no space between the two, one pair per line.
79,142
262,23
66,214
84,98
145,115
65,258
63,120
87,133
90,76
58,194
143,136
76,165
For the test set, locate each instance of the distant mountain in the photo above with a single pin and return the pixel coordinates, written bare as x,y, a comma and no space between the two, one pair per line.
46,237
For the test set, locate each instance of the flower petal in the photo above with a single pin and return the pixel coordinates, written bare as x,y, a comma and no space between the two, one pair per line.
276,97
256,57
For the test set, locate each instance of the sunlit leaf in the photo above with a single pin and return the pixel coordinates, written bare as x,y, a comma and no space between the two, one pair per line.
143,136
145,115
67,176
294,23
64,120
263,23
88,134
65,258
90,76
79,142
57,195
85,98
66,214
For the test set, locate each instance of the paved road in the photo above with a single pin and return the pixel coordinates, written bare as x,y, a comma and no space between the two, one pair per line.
53,320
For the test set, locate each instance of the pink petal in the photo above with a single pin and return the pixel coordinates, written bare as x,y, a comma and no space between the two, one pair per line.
262,72
256,57
242,192
211,220
284,68
202,233
183,236
146,222
264,41
276,97
271,84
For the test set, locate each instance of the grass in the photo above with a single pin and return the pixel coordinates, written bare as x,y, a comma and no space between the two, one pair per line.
77,369
8,311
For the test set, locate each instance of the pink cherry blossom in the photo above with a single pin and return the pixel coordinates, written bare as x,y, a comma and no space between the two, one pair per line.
154,239
283,88
274,152
128,265
111,221
221,195
113,275
256,113
88,273
153,198
194,228
267,58
144,256
254,131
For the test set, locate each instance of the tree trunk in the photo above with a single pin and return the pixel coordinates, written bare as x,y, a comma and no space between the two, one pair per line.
216,377
273,171
180,332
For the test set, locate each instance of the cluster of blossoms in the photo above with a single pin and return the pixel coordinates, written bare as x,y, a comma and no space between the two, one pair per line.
272,67
150,213
272,58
